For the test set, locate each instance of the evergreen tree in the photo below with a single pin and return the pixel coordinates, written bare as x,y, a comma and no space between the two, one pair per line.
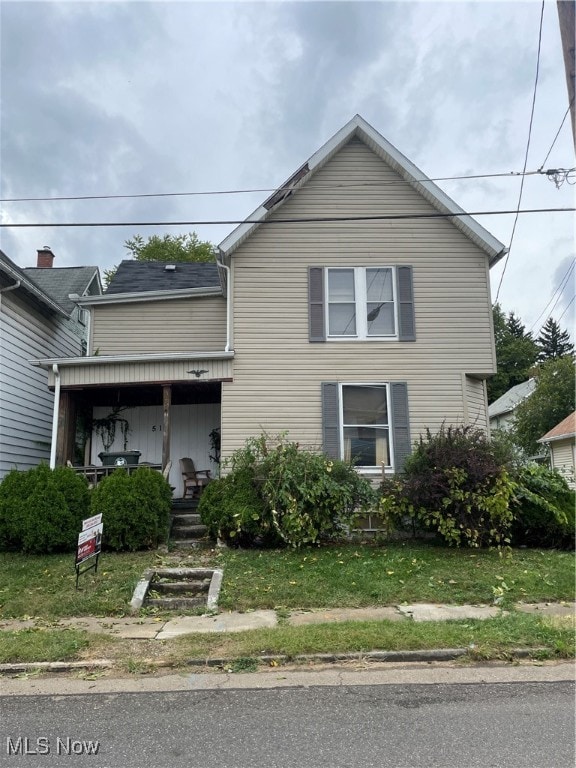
516,353
553,342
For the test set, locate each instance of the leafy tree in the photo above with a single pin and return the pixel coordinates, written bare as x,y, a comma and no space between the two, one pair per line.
552,400
553,342
169,248
516,353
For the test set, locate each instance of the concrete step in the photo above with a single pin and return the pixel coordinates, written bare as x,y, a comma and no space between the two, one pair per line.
186,518
176,603
188,531
191,588
204,543
184,505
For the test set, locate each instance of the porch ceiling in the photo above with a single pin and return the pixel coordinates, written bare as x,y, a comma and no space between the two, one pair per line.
131,396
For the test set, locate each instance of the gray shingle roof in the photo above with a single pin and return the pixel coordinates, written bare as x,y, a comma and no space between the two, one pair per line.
141,276
59,282
509,400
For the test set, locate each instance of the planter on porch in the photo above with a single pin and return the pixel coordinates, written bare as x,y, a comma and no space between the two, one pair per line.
119,458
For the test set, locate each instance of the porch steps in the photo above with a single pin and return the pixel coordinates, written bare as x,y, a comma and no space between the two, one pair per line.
186,530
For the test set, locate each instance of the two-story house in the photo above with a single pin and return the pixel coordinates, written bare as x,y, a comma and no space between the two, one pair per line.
36,319
352,309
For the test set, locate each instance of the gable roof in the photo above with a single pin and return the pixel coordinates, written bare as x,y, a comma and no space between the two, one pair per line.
509,400
146,276
25,283
359,128
60,282
566,428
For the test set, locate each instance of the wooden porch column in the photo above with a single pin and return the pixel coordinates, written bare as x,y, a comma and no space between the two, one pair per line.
167,402
66,428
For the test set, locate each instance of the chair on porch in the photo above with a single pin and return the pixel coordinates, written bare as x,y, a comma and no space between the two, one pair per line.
195,480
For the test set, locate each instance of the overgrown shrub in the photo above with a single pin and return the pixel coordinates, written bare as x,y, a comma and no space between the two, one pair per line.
454,484
41,510
278,493
544,508
135,509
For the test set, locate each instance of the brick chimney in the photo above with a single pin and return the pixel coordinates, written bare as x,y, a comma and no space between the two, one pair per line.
45,258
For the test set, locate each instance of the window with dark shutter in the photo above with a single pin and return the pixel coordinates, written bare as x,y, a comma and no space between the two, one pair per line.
316,331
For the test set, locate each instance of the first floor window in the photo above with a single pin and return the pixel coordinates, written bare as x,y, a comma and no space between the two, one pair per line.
365,424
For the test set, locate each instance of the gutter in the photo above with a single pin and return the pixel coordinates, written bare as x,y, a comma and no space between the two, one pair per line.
127,298
228,306
17,284
22,282
56,373
154,358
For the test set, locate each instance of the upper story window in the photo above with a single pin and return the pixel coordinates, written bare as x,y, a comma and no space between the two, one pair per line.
83,316
361,302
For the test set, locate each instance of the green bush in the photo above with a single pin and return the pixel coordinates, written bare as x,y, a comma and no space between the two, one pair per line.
135,509
544,509
454,484
277,493
41,510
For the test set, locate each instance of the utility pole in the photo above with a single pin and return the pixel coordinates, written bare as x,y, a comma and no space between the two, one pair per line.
567,21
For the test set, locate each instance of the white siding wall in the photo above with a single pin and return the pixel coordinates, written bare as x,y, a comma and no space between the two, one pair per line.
277,372
189,436
175,325
25,401
562,459
476,404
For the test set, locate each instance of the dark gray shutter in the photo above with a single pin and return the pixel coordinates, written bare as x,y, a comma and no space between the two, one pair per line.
400,423
405,294
330,420
316,330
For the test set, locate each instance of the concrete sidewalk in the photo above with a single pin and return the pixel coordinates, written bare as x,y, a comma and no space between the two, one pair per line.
151,628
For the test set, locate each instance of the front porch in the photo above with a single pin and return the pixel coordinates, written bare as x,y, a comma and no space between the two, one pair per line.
163,422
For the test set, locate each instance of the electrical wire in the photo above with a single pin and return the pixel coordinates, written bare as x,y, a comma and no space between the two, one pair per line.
301,220
558,291
507,259
567,308
557,134
510,174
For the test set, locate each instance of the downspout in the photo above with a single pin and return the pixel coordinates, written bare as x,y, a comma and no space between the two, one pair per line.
56,373
228,306
11,287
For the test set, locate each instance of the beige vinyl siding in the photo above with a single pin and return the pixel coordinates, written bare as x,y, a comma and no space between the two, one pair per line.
142,372
562,459
277,371
476,403
174,325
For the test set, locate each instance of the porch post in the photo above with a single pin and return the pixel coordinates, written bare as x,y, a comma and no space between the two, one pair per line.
66,429
167,402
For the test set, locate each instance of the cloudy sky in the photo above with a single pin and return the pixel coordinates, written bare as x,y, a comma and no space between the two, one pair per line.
124,98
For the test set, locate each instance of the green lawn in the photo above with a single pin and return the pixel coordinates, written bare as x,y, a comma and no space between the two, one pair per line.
361,575
317,577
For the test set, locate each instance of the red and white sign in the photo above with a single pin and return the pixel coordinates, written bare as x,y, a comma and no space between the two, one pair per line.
89,541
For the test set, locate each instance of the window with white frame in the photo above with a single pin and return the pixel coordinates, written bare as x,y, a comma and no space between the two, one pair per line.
361,302
365,424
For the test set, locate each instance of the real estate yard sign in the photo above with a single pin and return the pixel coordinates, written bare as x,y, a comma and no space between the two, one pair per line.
89,545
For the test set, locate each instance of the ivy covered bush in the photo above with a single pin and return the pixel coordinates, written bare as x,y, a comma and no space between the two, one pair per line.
135,509
41,510
277,493
455,484
544,509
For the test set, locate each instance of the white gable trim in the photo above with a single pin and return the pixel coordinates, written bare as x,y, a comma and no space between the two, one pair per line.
404,167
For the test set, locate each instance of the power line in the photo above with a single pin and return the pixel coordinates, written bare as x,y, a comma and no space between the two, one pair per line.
567,308
301,220
558,291
510,174
557,134
527,150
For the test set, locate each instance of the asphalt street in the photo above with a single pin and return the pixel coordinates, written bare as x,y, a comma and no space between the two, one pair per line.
524,724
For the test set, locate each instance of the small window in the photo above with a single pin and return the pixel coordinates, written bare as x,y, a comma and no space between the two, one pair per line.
361,303
365,424
83,316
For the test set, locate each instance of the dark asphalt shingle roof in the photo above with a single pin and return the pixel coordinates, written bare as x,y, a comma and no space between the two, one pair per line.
59,282
141,276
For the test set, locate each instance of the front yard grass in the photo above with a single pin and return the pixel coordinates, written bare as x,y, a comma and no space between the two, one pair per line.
348,575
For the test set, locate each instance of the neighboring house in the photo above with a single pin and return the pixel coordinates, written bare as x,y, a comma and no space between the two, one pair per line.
36,320
348,309
502,411
561,440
